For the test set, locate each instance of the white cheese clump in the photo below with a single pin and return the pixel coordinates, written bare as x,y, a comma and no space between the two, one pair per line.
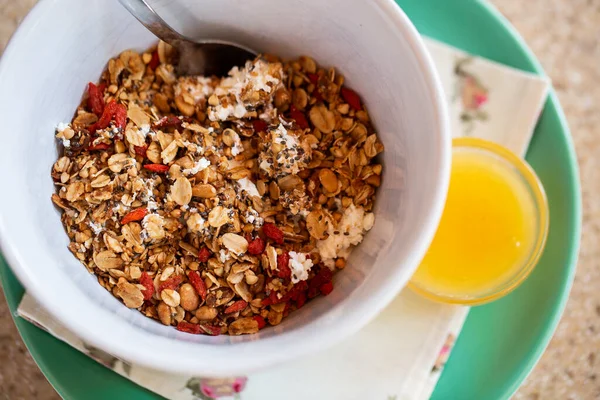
224,255
350,231
198,87
200,165
300,266
248,186
255,76
252,217
64,132
97,228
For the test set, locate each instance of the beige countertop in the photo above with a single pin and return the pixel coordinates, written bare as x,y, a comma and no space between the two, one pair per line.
565,35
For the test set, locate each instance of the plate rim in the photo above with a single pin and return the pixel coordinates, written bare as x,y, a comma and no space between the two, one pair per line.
551,324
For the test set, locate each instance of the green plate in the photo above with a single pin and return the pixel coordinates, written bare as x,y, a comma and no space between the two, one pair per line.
501,341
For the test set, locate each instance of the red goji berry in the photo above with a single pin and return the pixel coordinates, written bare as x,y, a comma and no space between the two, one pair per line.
148,284
300,300
158,168
120,116
317,94
95,99
283,267
211,329
273,232
351,98
322,277
256,246
107,115
326,288
171,283
299,117
154,61
204,254
99,146
313,78
259,125
188,327
260,320
136,215
141,150
167,122
198,283
237,306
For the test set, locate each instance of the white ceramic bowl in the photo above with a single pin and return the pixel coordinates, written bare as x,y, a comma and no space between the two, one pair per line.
63,44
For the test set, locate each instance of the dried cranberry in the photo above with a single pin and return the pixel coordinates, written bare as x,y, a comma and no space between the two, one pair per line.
204,254
273,232
351,98
256,246
283,261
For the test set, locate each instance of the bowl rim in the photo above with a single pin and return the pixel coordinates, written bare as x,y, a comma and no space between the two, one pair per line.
368,310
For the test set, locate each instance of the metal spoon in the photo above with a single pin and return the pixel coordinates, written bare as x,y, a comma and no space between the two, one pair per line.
195,57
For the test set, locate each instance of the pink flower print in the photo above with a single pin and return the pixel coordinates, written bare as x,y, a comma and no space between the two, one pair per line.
474,95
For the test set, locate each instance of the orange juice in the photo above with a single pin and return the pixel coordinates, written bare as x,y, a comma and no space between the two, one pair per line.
489,229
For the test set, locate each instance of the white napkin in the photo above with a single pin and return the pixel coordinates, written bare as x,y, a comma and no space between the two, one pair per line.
400,355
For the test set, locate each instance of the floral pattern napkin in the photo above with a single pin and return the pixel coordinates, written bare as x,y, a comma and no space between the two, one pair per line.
401,354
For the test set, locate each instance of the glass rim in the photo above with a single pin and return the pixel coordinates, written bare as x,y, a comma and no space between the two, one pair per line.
540,200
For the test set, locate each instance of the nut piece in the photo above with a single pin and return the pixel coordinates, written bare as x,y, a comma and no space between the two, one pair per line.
204,191
328,180
189,299
243,326
181,191
206,313
132,296
322,118
164,313
235,243
171,297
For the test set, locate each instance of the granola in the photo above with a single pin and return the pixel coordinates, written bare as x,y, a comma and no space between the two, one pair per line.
216,205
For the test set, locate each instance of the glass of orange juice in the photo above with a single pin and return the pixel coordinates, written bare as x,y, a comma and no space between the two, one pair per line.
493,228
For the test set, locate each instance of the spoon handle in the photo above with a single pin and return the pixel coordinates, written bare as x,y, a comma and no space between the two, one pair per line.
142,11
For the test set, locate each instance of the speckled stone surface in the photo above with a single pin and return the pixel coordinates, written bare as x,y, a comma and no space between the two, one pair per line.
565,35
